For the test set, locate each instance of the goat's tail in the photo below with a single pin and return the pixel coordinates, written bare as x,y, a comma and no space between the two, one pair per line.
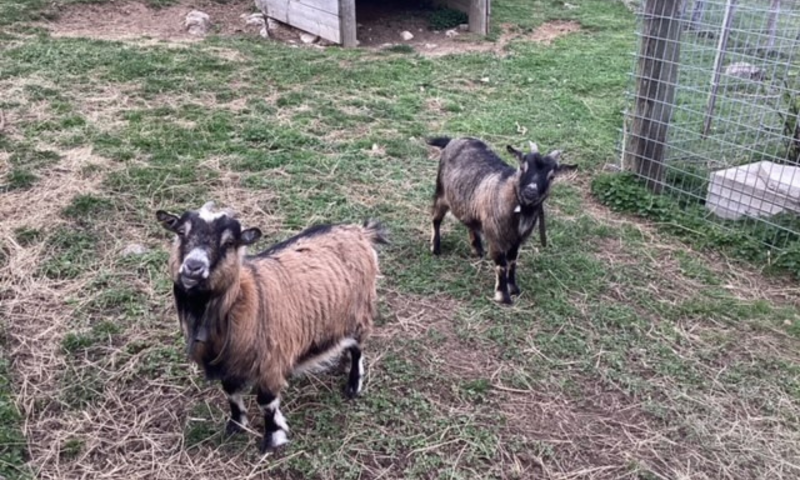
376,232
439,142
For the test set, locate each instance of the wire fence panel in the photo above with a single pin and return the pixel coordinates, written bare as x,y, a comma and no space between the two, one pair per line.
714,111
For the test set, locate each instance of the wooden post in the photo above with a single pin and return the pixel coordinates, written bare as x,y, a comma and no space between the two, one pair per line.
772,24
347,23
722,47
479,17
657,74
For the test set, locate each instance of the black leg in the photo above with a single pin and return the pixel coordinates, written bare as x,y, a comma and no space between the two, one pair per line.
501,294
542,228
475,241
439,211
275,427
356,377
512,256
233,389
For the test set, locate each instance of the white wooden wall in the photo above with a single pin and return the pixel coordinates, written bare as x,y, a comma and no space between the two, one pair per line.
318,17
335,20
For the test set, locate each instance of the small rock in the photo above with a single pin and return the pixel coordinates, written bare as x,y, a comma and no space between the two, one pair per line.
744,70
788,323
430,45
254,20
464,27
197,22
307,38
264,33
451,33
134,249
570,6
485,80
406,35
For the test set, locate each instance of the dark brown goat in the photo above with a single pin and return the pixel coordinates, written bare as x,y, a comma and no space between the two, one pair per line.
256,320
494,199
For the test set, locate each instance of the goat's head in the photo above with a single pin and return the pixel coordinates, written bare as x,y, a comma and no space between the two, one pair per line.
536,172
208,249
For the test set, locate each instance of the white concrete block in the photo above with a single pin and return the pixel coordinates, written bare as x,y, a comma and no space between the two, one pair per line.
759,189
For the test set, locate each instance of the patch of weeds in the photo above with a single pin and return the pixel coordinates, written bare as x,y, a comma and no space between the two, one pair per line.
72,252
75,342
18,179
400,48
87,207
71,448
27,236
83,384
13,448
625,193
476,391
25,156
167,361
201,426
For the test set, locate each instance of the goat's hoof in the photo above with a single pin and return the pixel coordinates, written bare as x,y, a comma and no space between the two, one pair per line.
351,392
232,428
514,290
272,441
436,251
502,298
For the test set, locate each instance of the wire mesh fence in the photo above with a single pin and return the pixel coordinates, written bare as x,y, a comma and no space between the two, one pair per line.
714,111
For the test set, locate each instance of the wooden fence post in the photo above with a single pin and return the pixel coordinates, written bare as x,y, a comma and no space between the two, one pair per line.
657,75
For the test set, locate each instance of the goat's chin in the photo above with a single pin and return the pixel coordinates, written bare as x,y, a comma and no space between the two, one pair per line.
188,283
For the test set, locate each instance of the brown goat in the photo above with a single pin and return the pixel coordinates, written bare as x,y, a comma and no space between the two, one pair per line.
256,320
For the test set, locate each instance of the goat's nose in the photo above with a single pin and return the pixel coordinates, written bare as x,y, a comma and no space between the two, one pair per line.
194,266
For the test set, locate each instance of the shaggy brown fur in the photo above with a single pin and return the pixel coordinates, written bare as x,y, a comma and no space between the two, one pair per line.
288,309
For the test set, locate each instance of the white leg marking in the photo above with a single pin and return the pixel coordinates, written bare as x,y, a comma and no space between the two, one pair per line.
360,373
239,401
279,438
498,296
280,421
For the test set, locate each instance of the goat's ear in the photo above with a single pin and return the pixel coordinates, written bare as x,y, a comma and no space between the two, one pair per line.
555,155
513,151
167,220
250,236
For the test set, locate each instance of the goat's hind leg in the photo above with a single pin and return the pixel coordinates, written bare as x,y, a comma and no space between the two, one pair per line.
356,377
275,427
440,209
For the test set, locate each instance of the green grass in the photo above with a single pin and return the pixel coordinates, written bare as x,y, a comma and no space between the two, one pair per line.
625,343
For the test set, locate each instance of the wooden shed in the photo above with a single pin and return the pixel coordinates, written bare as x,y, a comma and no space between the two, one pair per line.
335,20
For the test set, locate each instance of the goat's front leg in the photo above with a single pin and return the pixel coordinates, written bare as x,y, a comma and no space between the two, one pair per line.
511,257
233,389
501,294
275,427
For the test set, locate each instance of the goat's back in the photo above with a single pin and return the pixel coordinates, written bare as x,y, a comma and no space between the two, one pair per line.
471,175
319,287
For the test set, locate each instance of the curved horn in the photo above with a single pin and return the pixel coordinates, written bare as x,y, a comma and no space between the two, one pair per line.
534,147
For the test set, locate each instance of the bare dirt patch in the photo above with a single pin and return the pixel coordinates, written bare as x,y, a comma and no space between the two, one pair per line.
379,26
